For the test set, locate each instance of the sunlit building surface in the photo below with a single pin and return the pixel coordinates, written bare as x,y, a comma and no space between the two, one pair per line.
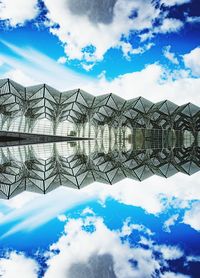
111,138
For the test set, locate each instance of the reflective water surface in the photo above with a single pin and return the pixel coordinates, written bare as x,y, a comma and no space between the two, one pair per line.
43,167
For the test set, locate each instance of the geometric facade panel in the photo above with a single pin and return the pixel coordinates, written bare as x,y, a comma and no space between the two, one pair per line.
22,108
111,138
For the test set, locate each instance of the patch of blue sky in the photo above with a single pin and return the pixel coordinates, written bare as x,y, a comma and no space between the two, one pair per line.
114,215
114,63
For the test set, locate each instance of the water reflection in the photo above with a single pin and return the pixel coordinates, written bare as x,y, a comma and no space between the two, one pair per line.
129,230
44,167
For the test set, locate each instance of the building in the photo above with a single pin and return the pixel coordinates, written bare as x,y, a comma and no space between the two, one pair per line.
110,138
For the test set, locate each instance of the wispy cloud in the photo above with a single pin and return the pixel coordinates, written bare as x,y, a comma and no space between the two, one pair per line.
39,68
152,196
29,67
42,208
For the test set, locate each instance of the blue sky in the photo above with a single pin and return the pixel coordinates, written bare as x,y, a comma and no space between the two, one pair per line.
130,48
137,34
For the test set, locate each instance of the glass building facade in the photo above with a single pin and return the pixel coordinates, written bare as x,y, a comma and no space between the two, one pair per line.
111,138
42,109
43,167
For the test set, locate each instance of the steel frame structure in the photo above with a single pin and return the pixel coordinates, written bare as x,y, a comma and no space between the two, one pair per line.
23,168
133,138
22,108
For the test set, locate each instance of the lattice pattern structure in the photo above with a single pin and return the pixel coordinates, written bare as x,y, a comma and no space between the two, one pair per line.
21,109
42,168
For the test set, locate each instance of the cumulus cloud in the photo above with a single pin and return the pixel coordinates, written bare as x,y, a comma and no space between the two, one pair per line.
128,228
170,274
87,248
62,60
169,25
170,3
108,24
88,29
154,82
128,50
170,55
192,216
193,258
170,252
155,195
98,249
193,19
78,246
87,66
62,217
18,264
18,12
170,222
87,211
101,35
192,61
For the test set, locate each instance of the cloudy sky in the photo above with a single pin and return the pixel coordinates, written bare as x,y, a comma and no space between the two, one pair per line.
148,48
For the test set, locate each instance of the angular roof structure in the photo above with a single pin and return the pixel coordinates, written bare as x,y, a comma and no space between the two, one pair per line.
79,107
126,138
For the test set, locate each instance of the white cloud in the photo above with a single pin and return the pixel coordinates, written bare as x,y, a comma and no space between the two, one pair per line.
77,246
100,36
66,20
109,24
20,200
170,3
80,247
193,19
170,222
154,195
169,25
174,275
147,242
192,61
62,60
159,84
193,258
19,11
170,252
32,67
192,216
62,217
1,62
146,36
128,50
19,76
87,67
15,264
38,211
170,55
87,211
128,228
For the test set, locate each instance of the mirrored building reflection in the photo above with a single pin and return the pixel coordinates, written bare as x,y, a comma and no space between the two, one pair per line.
50,138
43,167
